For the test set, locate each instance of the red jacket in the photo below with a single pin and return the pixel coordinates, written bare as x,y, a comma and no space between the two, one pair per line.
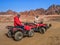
17,22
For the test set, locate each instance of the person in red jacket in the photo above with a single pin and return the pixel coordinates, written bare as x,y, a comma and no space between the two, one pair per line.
18,22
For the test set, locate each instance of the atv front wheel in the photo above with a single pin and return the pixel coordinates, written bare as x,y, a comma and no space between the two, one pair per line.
31,33
42,30
18,36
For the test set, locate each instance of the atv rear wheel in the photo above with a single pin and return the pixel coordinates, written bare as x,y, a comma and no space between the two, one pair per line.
18,36
9,34
50,25
31,33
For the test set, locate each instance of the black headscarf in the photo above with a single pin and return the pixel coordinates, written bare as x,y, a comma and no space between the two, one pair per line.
18,15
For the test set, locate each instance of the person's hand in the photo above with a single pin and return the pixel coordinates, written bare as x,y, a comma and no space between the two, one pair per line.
22,24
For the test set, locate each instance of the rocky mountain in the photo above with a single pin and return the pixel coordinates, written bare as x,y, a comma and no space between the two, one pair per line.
40,11
52,10
8,12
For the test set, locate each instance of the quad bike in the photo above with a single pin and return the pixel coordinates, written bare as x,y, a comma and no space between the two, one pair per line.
40,27
19,33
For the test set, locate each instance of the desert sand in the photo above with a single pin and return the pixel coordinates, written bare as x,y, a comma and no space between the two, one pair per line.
51,36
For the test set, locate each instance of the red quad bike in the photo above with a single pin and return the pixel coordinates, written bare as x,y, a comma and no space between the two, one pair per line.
19,33
40,27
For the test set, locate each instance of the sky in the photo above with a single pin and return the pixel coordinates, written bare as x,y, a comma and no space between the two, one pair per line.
25,5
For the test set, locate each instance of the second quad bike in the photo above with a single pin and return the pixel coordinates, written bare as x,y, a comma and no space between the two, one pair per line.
40,27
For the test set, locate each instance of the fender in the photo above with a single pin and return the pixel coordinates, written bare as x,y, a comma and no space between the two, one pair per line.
27,27
17,29
42,25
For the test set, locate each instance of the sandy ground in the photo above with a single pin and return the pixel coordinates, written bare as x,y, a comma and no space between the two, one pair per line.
51,37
